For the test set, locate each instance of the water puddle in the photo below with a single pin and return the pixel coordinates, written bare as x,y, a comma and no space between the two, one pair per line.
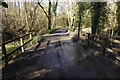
67,55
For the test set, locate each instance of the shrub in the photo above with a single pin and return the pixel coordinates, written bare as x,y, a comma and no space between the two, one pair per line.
36,38
12,47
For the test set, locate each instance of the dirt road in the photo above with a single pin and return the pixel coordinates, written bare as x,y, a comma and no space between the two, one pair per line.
59,57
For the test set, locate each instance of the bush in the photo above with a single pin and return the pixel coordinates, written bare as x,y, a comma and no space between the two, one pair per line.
12,47
36,38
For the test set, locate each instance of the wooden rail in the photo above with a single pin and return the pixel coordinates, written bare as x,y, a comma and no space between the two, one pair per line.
109,46
6,56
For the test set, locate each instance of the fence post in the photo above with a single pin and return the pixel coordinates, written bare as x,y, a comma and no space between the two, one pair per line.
5,54
88,42
104,51
21,41
105,45
31,38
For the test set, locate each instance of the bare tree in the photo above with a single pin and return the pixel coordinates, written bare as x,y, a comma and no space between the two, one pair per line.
48,15
54,8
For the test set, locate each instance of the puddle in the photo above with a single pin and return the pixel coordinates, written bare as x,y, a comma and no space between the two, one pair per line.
57,65
67,55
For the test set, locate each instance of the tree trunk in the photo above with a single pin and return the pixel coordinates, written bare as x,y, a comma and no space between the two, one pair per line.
54,8
19,6
79,23
26,17
95,17
55,20
118,13
49,15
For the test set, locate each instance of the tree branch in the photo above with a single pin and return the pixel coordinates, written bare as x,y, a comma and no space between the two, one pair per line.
43,9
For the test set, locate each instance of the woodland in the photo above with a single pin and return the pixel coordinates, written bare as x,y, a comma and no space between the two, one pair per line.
95,26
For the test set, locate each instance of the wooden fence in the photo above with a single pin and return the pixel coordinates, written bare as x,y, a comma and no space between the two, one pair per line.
6,56
109,46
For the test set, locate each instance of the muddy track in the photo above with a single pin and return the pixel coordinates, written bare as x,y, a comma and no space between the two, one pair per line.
59,57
